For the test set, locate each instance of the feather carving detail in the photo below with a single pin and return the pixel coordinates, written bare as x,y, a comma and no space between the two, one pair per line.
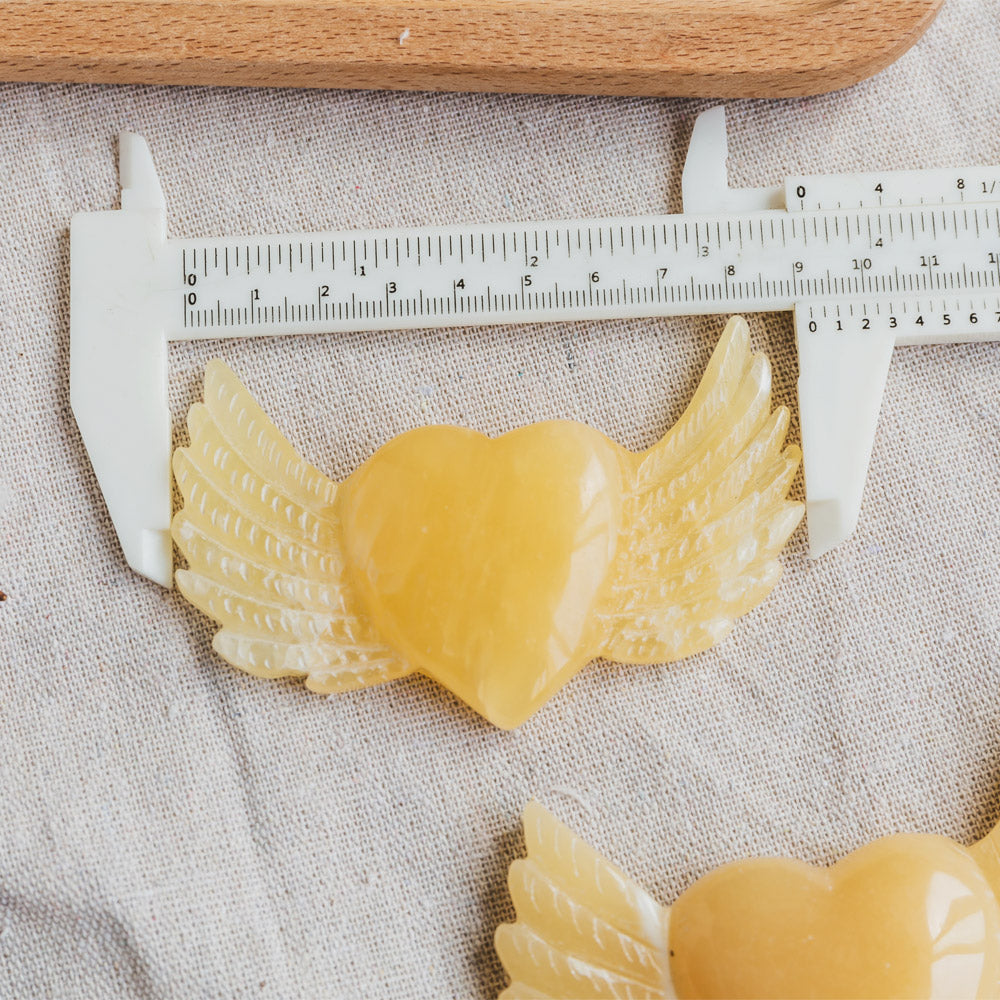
499,567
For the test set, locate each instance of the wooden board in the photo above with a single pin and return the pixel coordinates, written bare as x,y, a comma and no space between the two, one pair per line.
708,48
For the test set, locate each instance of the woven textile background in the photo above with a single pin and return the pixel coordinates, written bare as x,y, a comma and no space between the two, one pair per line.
172,828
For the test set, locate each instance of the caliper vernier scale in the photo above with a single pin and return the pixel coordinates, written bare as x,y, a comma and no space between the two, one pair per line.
864,261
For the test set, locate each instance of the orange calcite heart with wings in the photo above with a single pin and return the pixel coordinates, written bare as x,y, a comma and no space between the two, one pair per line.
498,567
909,916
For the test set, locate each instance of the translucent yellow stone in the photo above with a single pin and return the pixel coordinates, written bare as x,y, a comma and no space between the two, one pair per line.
907,916
498,567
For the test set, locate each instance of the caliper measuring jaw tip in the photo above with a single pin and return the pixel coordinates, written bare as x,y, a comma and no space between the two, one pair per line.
705,186
118,360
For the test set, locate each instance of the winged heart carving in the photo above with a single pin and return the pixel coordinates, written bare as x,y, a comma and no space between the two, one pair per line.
499,567
911,915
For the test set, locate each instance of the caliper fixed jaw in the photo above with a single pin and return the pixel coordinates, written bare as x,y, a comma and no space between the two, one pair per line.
118,360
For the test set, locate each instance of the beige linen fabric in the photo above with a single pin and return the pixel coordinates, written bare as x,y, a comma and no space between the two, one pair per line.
172,828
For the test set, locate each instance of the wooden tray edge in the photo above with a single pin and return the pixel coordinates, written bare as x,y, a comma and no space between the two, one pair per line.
680,48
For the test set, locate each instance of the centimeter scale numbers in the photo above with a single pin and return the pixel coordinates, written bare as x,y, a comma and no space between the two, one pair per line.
901,268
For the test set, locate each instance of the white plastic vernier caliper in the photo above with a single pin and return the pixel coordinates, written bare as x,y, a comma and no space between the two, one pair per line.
865,261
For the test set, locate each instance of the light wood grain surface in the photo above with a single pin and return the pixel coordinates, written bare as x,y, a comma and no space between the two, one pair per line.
712,48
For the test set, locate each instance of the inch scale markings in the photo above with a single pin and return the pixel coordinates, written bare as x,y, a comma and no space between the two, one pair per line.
864,261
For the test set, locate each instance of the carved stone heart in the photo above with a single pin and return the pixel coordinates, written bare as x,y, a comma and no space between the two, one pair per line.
481,560
907,916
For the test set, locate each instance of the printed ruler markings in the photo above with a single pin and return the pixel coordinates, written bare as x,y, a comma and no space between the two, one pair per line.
622,246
